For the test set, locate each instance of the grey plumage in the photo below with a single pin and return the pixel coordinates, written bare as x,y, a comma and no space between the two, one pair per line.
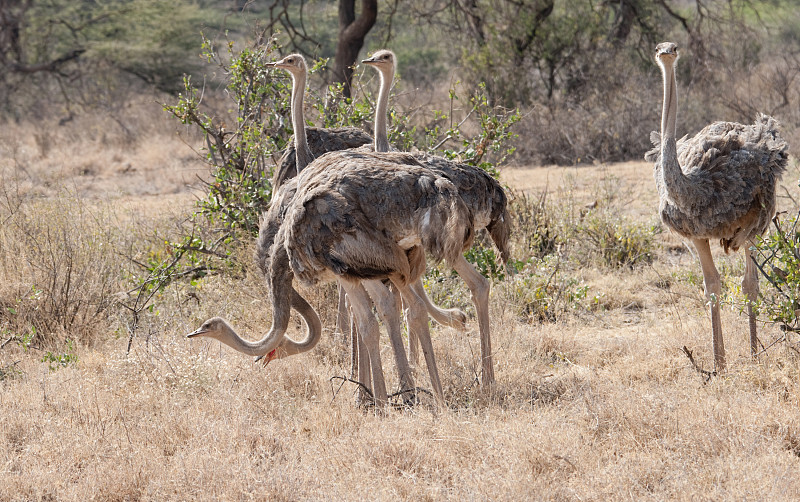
481,193
320,141
728,190
358,215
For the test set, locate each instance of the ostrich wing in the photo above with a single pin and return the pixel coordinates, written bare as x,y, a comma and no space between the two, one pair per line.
357,214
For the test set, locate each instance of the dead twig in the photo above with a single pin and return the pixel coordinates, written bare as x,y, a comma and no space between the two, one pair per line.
414,390
408,402
705,373
345,380
774,342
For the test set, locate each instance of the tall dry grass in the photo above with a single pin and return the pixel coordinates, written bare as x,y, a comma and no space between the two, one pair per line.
598,404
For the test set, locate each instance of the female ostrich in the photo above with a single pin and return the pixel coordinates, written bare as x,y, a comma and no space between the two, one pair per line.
358,217
485,198
292,164
720,184
305,148
487,201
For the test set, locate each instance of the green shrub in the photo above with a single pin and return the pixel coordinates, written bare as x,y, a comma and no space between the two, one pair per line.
542,292
778,259
239,147
617,243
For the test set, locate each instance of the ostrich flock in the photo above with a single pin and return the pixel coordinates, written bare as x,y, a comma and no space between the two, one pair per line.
347,207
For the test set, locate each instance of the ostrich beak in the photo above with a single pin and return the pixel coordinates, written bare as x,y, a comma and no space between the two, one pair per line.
266,358
271,64
198,332
369,61
672,51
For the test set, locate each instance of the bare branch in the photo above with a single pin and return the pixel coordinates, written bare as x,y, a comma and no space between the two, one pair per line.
705,373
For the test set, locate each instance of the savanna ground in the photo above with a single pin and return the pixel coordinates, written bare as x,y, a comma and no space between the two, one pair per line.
598,402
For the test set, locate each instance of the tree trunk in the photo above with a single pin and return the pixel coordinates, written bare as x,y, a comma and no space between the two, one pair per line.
352,31
11,14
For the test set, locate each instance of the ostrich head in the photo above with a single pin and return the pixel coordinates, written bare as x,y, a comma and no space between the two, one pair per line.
667,53
293,63
382,60
216,328
219,329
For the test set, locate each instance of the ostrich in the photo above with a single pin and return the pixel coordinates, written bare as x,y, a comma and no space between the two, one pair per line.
720,184
485,198
295,160
264,256
359,217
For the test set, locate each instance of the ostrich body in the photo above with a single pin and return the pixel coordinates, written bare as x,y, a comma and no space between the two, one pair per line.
487,202
364,216
720,185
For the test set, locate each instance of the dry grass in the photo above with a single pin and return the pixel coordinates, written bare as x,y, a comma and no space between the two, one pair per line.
601,405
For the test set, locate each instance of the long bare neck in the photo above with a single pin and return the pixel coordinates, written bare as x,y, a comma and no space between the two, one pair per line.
281,285
313,327
669,111
260,348
381,111
678,188
303,155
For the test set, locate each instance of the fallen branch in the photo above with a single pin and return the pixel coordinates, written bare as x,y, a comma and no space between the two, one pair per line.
414,390
774,342
706,374
345,380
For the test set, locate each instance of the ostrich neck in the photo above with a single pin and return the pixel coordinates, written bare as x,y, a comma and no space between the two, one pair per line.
275,340
669,112
260,348
313,327
381,110
280,280
678,187
303,156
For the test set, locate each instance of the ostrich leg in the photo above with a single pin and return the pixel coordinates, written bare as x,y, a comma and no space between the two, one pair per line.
342,314
369,332
479,286
386,306
418,323
712,286
453,318
750,289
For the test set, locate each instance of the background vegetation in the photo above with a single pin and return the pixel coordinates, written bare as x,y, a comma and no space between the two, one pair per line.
581,73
